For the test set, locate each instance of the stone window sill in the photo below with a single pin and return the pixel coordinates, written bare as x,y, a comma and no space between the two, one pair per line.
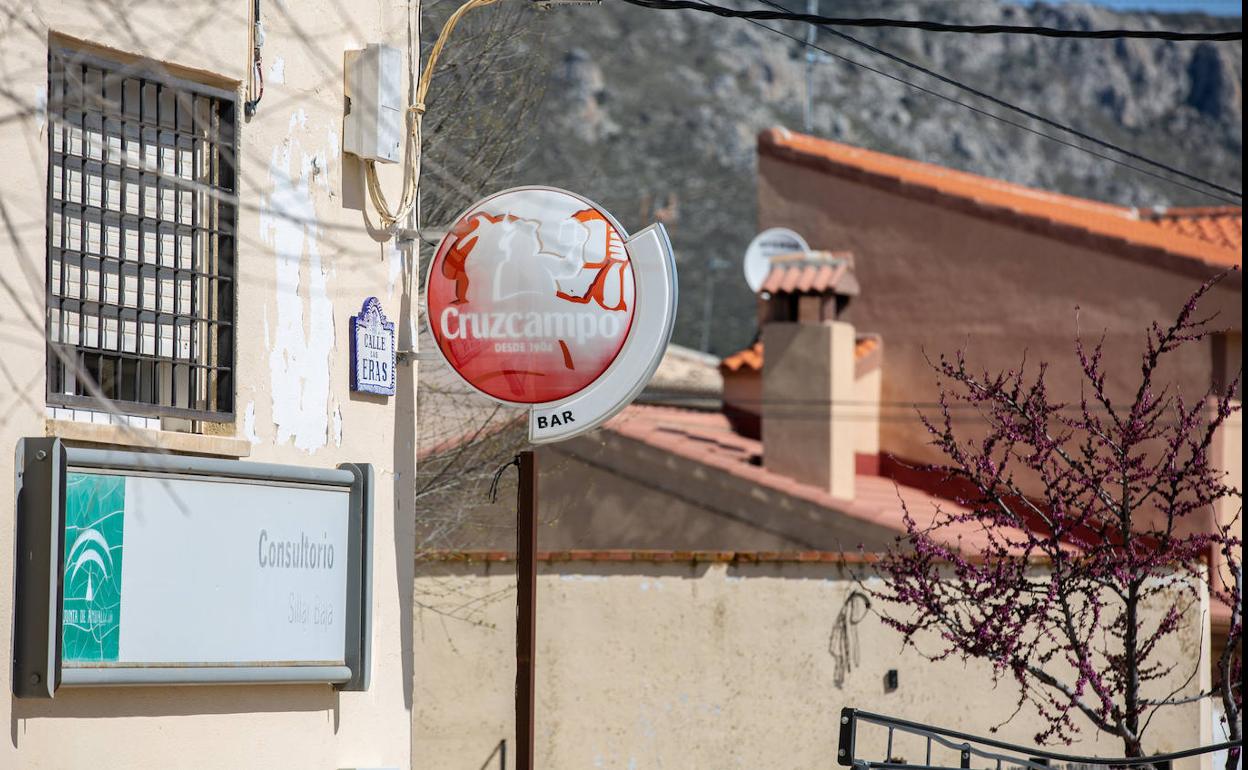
147,439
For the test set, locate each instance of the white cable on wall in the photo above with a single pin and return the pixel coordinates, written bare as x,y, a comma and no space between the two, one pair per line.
415,114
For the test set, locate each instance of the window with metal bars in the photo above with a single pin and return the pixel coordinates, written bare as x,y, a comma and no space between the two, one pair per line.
141,249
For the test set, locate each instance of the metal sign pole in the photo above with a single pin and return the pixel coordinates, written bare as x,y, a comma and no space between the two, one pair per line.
526,607
626,345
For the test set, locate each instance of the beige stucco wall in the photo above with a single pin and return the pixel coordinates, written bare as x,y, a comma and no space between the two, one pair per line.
1227,453
864,416
743,392
691,665
302,276
935,280
808,379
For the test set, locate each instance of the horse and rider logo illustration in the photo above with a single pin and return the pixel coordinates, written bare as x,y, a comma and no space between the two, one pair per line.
531,268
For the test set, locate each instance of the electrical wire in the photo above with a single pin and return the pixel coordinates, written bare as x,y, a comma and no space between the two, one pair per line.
255,85
994,116
415,115
1020,110
933,26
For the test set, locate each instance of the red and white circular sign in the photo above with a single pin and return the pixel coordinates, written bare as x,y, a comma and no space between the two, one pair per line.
531,295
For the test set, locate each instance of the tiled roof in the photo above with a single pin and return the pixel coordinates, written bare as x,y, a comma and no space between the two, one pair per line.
811,273
1220,225
752,357
707,438
687,371
865,346
1059,215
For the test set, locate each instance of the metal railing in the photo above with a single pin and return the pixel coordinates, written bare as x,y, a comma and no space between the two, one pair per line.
998,754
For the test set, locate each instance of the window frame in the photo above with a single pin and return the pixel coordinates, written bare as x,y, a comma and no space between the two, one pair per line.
225,389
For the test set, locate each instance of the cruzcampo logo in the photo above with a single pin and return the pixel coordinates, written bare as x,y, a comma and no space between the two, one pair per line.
94,524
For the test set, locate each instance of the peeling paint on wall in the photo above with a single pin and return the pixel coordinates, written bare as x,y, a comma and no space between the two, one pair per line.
249,423
277,70
331,139
395,256
41,107
300,354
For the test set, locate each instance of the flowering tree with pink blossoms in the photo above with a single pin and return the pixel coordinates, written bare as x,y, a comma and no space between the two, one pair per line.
1090,512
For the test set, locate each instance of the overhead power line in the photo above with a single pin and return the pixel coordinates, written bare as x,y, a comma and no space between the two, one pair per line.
934,26
1008,121
1022,111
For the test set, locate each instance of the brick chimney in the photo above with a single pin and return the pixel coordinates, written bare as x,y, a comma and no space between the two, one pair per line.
797,402
807,381
809,386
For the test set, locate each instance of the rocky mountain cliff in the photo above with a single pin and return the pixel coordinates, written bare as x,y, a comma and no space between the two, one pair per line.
655,114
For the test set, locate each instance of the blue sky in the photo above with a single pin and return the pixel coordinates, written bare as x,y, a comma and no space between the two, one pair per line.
1219,7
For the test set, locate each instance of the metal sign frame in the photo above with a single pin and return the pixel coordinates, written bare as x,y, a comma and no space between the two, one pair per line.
42,467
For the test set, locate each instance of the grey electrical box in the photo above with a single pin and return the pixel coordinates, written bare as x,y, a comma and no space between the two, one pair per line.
374,123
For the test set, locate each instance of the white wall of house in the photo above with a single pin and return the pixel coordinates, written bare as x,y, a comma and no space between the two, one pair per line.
306,261
683,663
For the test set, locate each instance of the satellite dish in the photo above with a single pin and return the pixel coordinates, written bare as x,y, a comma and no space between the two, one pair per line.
769,243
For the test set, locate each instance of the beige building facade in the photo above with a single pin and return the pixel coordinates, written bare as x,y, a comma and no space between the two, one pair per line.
949,261
299,263
710,659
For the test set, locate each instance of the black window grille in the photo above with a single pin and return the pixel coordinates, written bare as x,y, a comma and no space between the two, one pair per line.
141,226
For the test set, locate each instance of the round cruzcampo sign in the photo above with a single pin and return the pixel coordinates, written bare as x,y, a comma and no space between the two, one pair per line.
539,298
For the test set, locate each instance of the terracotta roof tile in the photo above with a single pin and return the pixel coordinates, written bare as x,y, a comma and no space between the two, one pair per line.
1220,225
708,438
808,273
865,346
751,359
1212,241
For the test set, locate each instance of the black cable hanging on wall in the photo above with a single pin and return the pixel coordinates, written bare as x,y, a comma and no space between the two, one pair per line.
255,90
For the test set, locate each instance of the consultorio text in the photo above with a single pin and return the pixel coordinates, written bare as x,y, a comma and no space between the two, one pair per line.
304,553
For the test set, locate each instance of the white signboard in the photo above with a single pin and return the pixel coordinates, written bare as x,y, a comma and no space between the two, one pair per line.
199,571
174,570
